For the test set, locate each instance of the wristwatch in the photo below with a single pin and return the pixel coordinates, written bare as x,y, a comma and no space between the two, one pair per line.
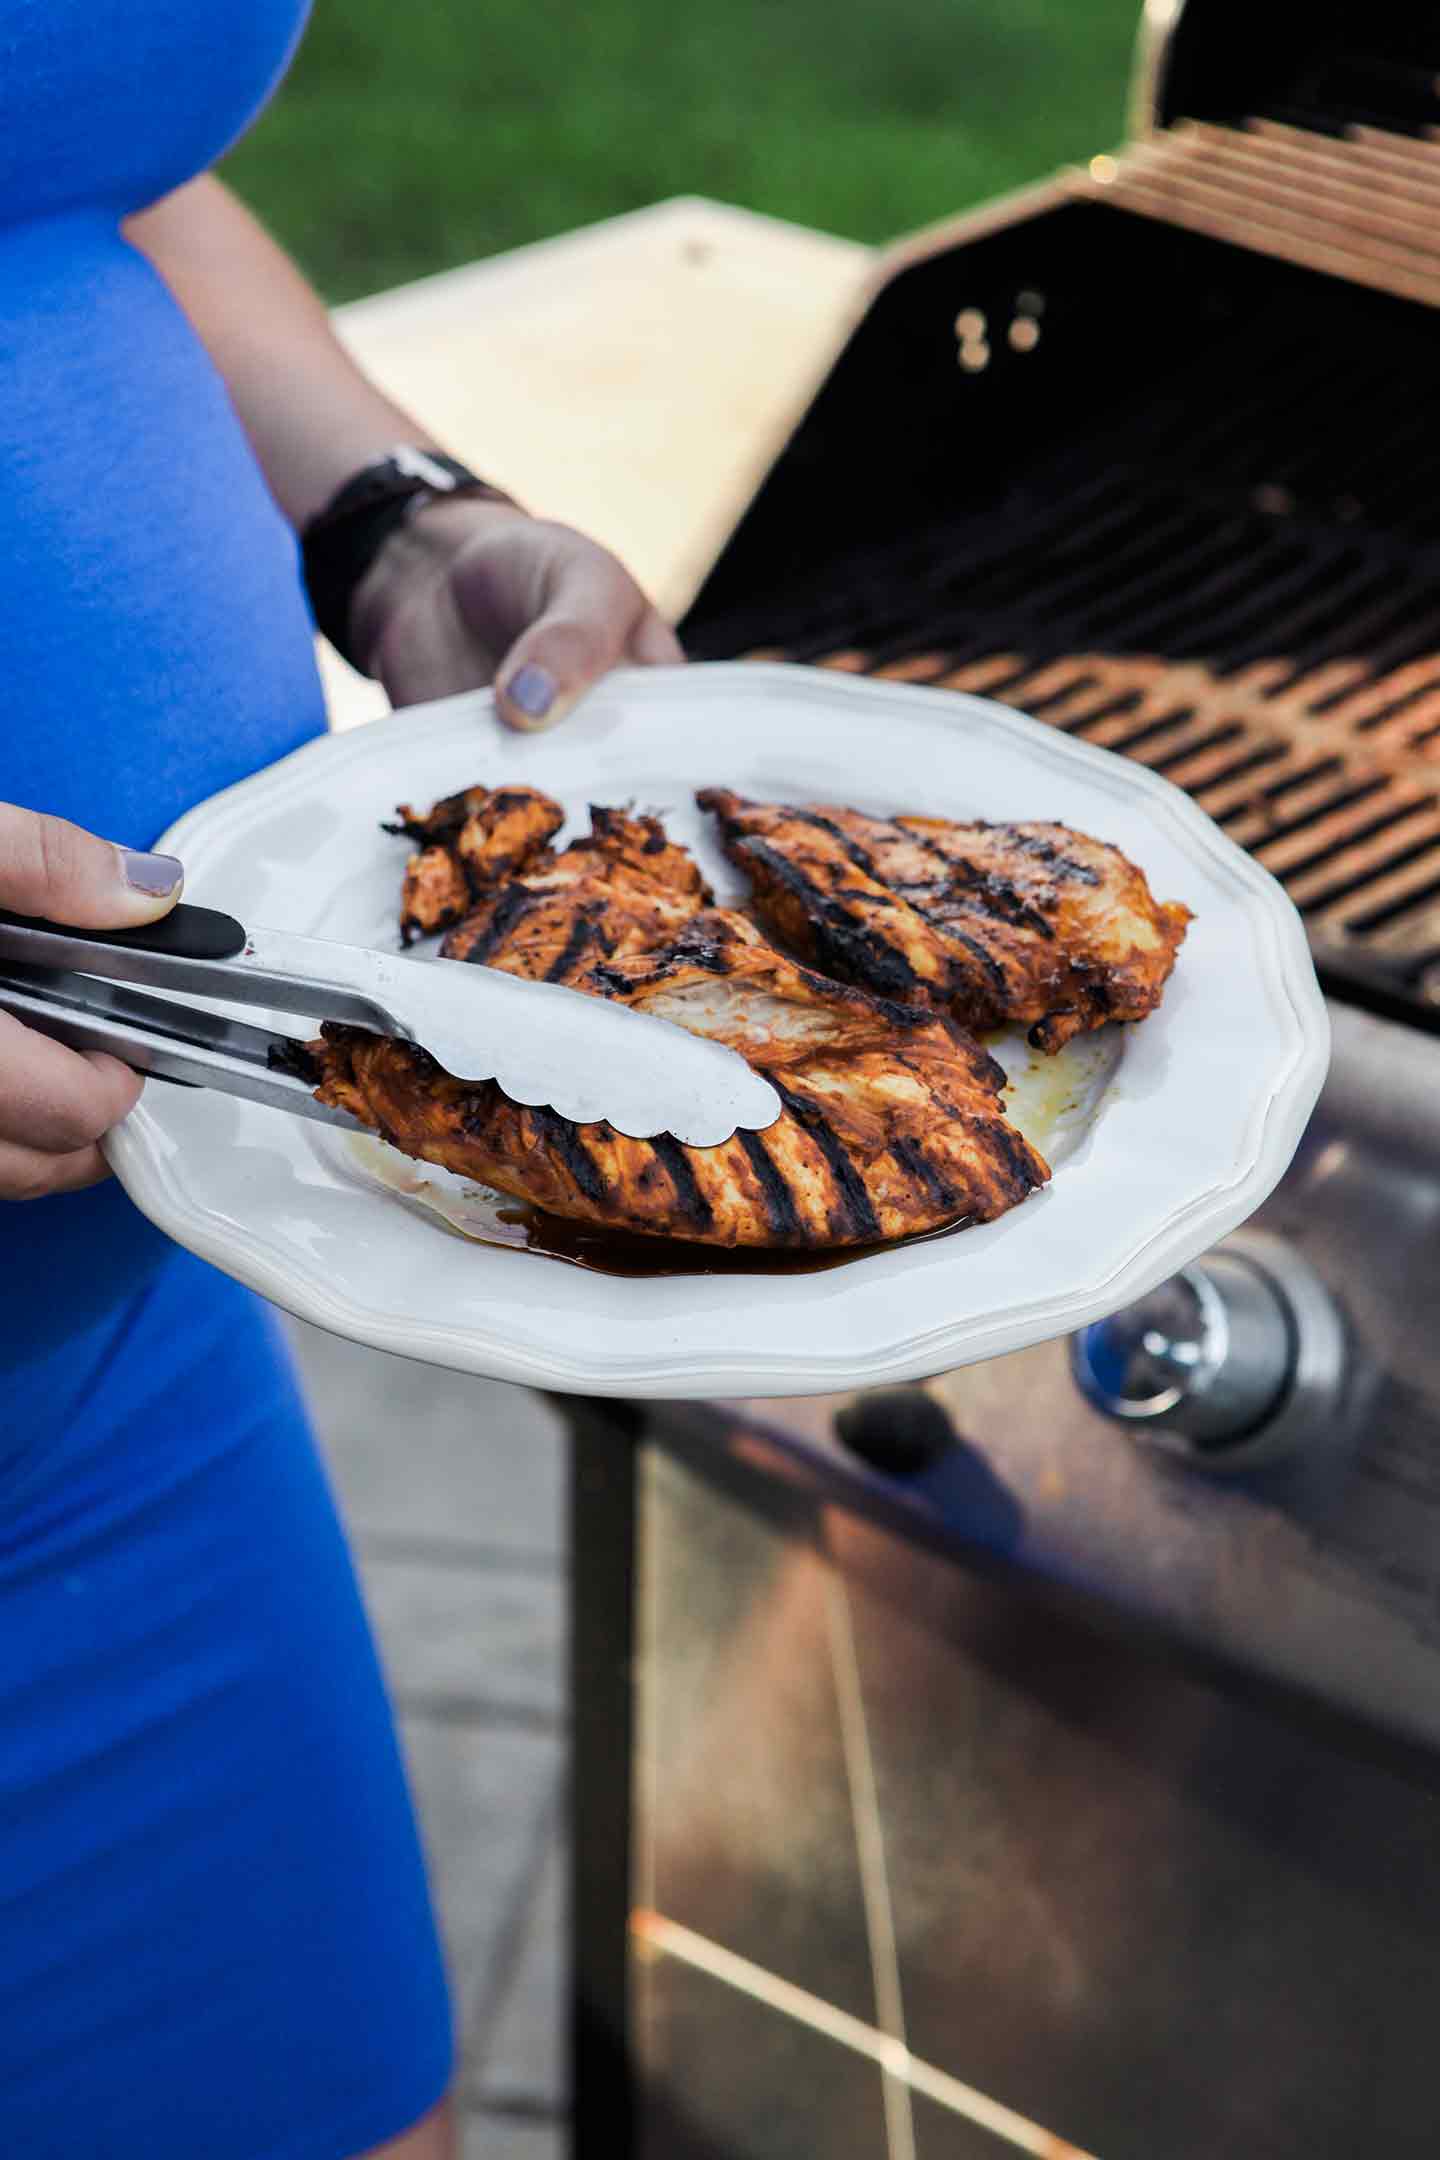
341,541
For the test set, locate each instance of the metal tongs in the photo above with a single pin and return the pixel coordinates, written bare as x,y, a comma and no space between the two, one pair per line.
586,1059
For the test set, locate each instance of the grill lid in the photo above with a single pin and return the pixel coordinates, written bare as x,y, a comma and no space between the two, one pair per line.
1365,207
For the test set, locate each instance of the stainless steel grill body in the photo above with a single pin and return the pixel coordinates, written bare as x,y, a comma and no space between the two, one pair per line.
1050,1794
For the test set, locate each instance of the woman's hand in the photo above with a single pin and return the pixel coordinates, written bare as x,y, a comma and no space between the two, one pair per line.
471,592
55,1103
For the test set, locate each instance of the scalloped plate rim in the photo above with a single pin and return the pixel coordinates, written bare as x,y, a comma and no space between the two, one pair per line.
1298,1062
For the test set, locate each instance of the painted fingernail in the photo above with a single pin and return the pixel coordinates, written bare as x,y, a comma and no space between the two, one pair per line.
532,689
155,875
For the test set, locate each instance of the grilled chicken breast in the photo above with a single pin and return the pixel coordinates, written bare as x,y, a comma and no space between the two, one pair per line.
1029,924
891,1126
464,844
892,1122
624,888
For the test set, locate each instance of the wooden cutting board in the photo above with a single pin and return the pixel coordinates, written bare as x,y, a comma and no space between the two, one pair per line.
634,379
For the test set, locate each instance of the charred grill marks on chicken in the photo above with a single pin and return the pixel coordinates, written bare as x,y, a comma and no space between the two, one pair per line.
854,1219
912,1161
466,844
566,1138
891,1122
775,1194
514,902
840,937
695,1210
996,924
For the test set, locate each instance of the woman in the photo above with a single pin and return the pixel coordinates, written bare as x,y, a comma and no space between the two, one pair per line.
217,1942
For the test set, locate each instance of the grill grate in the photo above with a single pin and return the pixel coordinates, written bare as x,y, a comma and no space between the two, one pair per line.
1238,585
1222,562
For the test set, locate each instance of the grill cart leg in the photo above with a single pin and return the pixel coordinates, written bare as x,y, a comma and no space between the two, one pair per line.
603,1477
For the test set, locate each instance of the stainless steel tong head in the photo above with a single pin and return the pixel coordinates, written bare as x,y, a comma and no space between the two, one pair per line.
584,1058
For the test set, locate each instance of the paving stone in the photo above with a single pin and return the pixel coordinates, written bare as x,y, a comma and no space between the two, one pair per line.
500,2137
453,1491
524,2061
457,1635
419,1453
486,1797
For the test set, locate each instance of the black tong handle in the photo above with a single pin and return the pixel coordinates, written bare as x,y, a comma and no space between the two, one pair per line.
186,933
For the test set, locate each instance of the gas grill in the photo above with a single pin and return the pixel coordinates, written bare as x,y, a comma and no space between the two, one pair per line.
1048,1759
1152,454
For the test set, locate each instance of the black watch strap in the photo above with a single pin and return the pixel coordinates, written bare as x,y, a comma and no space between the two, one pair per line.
341,541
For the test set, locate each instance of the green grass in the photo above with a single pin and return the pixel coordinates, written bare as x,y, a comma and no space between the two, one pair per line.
411,137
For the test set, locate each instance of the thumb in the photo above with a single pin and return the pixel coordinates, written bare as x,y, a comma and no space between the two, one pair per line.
51,868
552,664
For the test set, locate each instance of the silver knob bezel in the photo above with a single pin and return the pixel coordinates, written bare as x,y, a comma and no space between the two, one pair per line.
1147,1412
1305,1409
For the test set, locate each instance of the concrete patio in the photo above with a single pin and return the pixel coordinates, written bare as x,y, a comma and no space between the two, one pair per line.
453,1492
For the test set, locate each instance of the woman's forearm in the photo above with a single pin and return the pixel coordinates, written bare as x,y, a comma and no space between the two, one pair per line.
311,416
467,591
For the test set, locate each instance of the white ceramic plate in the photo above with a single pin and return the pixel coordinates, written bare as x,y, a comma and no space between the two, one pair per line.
1175,1130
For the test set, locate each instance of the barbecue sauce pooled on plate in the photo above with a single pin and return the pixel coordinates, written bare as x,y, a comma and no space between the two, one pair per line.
482,1217
620,1252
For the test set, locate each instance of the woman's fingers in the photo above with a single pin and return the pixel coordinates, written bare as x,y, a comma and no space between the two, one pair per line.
56,1103
550,667
57,1100
579,613
591,628
27,1174
654,644
471,592
597,617
49,867
589,608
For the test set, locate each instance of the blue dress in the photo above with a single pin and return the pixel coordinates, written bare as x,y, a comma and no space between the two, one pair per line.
215,1936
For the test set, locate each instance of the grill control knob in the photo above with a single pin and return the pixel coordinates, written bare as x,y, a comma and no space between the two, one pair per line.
1233,1361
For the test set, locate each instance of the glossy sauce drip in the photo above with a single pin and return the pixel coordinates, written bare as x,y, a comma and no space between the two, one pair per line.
616,1252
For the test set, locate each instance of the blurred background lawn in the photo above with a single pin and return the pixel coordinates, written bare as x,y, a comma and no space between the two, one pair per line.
410,137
